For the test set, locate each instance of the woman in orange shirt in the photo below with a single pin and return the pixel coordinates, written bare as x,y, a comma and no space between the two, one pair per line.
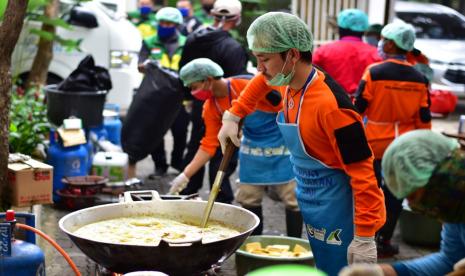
263,158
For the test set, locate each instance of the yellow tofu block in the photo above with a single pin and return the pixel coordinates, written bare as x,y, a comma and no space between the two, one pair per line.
301,254
275,254
287,254
259,252
278,248
251,246
299,249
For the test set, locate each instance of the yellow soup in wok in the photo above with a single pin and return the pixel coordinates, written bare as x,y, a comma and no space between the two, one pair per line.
149,230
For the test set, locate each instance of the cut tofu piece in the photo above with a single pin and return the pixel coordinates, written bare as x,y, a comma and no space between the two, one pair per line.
277,248
299,249
252,246
301,254
259,252
275,254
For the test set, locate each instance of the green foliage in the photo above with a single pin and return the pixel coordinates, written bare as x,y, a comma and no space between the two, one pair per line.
57,22
32,5
28,120
68,44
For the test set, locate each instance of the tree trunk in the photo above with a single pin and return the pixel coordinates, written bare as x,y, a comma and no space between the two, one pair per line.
38,74
9,34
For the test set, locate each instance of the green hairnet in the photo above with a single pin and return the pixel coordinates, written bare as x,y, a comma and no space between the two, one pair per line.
198,70
169,14
353,19
401,33
277,32
409,161
375,28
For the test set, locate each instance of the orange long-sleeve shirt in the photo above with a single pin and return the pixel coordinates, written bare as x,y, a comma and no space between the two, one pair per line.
326,114
395,98
213,111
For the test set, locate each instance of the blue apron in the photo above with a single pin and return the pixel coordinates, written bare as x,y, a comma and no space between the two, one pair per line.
324,196
263,157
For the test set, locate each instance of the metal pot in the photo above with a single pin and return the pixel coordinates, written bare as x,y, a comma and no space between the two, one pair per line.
174,259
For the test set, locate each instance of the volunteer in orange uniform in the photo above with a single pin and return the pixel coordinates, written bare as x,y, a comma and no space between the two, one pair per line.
394,97
264,160
331,158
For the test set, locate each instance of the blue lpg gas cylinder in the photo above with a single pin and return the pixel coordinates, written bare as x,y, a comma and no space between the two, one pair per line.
66,161
17,257
112,123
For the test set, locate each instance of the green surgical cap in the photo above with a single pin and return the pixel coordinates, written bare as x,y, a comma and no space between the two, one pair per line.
277,32
169,14
375,28
401,33
410,160
353,19
198,70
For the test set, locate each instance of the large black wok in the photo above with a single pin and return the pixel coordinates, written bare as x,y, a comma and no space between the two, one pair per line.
174,259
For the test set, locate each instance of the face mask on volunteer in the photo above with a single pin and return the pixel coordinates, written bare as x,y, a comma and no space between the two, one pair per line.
372,40
145,10
165,32
184,12
380,49
280,79
202,94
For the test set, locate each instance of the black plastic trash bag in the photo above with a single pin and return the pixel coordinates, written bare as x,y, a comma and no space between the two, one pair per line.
87,78
152,112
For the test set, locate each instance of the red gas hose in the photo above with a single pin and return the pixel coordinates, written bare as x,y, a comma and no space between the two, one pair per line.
52,242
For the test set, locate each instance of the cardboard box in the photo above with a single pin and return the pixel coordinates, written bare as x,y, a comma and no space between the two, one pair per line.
31,182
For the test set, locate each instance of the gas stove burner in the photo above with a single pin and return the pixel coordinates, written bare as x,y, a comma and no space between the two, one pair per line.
117,188
147,196
77,192
88,181
73,199
102,271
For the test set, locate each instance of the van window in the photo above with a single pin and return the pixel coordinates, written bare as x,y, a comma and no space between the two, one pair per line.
435,25
65,7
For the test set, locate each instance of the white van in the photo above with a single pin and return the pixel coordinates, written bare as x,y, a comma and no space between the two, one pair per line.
441,37
111,39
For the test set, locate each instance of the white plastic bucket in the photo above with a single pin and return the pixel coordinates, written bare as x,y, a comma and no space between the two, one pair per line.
112,165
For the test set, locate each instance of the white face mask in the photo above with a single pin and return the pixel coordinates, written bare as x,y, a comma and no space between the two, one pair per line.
239,20
380,49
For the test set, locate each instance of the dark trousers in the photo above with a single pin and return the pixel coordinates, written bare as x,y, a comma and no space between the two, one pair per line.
393,206
197,132
179,132
196,181
226,194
